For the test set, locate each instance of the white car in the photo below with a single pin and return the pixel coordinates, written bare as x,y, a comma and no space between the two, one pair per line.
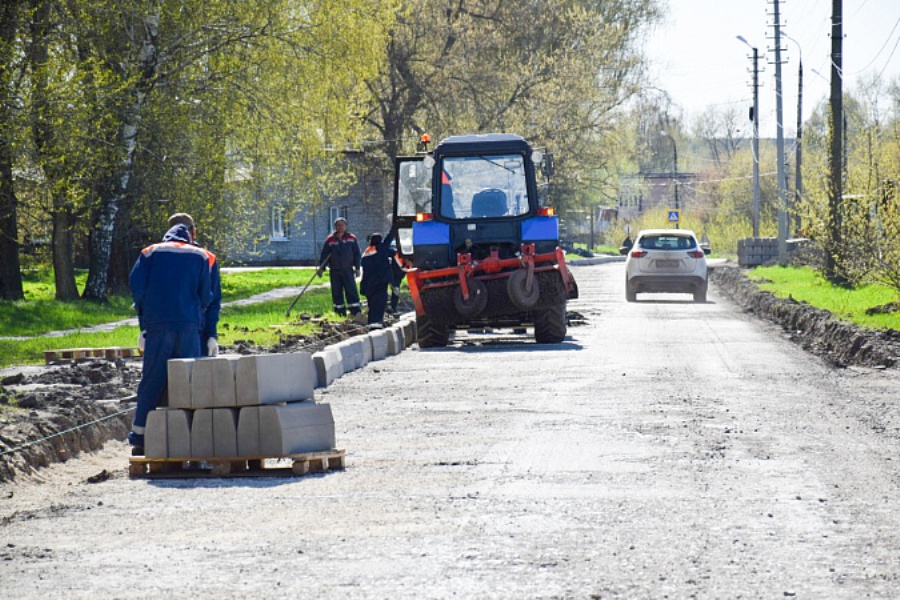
665,260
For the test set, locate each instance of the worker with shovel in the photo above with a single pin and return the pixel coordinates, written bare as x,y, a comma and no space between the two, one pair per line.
342,255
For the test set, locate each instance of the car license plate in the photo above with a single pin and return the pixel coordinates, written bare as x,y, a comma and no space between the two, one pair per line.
667,264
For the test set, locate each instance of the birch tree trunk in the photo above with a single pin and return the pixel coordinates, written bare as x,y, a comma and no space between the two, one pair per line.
97,287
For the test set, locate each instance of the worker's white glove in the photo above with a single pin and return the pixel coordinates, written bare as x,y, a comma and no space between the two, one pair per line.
142,339
212,347
356,272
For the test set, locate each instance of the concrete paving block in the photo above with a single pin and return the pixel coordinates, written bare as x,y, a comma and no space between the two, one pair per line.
395,340
272,378
295,428
351,350
179,387
379,343
409,331
212,382
328,366
178,433
366,346
225,424
248,431
202,435
155,445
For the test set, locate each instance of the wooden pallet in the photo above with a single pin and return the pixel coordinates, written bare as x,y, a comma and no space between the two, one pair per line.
236,466
69,355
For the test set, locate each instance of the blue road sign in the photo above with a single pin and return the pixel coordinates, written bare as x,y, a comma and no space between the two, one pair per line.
674,216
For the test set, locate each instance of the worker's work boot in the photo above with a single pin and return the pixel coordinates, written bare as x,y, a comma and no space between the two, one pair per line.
137,443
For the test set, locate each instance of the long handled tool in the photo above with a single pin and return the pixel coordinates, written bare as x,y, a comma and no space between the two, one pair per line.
308,283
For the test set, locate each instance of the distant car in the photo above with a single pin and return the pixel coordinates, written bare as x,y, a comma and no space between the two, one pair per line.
665,260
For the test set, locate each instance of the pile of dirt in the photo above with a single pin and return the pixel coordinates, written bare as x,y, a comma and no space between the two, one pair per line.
817,331
42,409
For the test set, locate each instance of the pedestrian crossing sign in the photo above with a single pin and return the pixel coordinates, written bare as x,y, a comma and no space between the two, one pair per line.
674,216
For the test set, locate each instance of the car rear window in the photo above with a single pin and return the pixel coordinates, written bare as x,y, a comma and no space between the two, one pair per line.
667,242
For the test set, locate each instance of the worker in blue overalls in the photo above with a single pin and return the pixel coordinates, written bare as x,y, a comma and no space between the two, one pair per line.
170,286
342,256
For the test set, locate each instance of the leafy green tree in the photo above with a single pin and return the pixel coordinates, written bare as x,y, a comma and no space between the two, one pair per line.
558,77
10,274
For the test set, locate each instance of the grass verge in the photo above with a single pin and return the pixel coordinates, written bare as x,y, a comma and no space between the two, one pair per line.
40,313
263,324
805,284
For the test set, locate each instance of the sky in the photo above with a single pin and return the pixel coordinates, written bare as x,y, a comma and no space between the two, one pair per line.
696,57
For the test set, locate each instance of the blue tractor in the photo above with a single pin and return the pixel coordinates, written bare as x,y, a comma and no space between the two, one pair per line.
481,242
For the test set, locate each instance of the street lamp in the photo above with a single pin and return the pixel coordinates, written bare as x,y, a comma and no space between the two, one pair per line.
755,118
674,164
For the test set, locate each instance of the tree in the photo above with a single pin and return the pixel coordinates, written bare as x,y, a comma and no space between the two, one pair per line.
10,274
178,88
554,76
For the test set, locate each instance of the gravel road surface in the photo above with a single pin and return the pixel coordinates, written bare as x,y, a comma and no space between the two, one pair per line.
665,449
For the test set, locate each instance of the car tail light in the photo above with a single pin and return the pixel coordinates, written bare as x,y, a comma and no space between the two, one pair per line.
696,253
424,217
638,253
546,211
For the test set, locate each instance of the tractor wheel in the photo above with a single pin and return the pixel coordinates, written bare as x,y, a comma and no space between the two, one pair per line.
550,324
518,294
478,298
431,333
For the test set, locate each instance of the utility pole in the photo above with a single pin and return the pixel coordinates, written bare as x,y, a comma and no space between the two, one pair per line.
779,140
835,185
798,179
754,116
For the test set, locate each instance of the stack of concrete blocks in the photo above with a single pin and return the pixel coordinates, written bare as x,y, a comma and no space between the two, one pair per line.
753,252
240,406
261,405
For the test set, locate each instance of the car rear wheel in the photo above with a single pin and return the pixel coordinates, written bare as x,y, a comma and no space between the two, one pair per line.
630,292
700,293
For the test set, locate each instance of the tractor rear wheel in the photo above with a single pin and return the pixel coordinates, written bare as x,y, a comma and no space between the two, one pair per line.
431,333
550,324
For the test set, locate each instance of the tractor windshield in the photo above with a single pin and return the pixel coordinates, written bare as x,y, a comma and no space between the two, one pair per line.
476,187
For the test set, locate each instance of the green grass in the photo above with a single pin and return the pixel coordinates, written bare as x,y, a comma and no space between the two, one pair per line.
262,323
244,284
39,313
807,285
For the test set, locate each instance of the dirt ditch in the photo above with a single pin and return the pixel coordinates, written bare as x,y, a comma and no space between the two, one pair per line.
817,331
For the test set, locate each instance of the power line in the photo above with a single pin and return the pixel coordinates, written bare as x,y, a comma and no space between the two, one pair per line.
883,46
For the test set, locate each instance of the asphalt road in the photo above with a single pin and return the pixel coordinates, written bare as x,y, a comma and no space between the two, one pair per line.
665,449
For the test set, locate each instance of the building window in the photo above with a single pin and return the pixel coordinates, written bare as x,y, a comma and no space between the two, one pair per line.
338,211
278,232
